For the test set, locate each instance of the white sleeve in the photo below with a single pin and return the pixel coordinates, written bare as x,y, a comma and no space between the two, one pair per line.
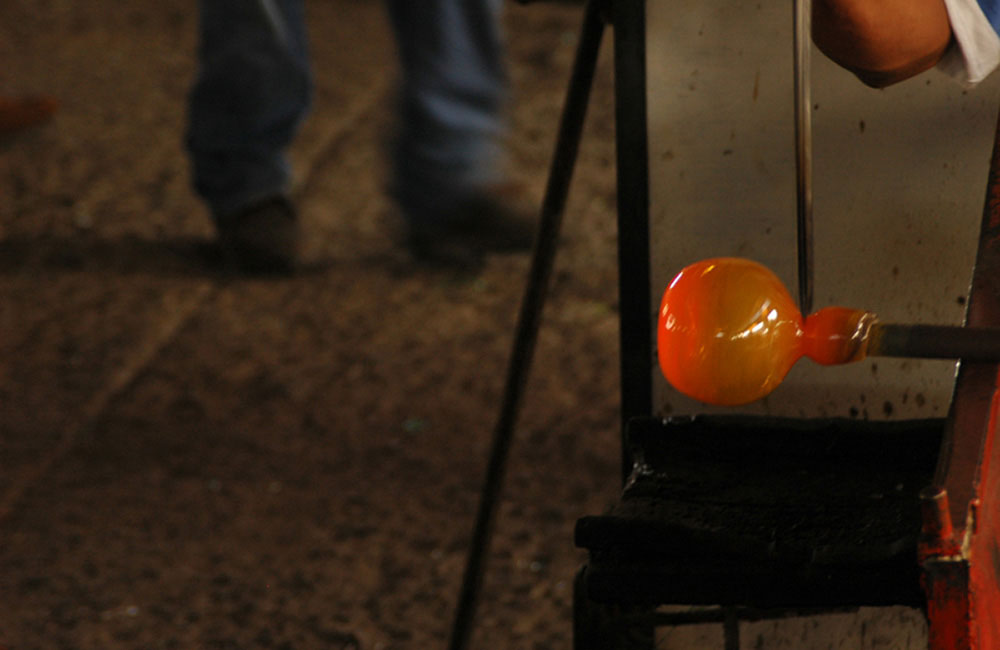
976,50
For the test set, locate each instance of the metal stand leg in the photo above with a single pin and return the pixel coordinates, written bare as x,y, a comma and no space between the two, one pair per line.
553,205
598,626
731,629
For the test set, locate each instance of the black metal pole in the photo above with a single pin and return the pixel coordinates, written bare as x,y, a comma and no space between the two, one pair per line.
731,629
553,205
628,17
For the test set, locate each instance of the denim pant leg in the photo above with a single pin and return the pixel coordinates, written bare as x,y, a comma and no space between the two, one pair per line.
450,101
251,93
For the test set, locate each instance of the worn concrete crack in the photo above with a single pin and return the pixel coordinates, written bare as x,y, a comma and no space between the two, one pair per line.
169,326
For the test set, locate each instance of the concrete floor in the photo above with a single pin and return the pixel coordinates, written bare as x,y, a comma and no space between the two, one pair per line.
194,460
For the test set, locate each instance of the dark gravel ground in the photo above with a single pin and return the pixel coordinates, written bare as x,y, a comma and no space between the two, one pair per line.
195,460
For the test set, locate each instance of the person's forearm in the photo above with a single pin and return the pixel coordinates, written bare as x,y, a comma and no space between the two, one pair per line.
882,41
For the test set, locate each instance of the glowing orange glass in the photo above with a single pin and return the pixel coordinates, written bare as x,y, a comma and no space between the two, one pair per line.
728,332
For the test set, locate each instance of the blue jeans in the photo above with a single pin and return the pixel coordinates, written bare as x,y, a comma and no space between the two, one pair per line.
254,85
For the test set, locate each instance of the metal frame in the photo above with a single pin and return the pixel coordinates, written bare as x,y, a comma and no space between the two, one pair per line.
628,19
960,549
959,553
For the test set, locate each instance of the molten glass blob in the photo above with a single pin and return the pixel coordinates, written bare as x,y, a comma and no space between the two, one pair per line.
728,332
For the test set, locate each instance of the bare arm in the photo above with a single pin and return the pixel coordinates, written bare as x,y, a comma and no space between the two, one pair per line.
882,41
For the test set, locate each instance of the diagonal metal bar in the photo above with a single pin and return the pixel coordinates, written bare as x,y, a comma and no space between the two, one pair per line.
553,206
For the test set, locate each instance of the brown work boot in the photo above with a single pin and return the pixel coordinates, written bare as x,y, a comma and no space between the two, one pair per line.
262,238
494,220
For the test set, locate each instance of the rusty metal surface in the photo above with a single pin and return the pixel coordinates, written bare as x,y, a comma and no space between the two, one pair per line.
949,605
961,570
985,544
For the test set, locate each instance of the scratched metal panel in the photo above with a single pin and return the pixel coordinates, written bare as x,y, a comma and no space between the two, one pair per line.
899,182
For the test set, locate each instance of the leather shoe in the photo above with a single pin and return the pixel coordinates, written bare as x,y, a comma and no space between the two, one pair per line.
489,221
262,238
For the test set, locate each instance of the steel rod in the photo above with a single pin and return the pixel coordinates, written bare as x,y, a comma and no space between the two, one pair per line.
635,331
934,342
731,629
803,151
553,205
